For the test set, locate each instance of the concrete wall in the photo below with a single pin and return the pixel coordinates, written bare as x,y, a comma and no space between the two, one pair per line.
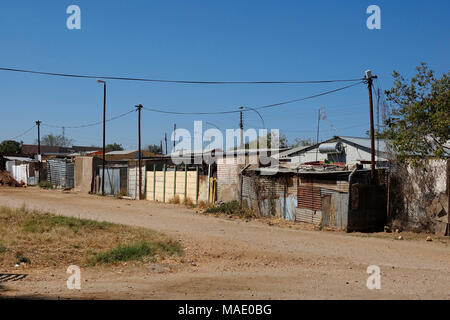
133,179
424,201
162,189
228,184
83,173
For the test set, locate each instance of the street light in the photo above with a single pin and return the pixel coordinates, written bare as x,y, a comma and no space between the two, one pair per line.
104,126
259,114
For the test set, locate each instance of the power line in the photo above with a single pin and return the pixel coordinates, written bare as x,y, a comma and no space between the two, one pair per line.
258,107
173,81
89,124
24,133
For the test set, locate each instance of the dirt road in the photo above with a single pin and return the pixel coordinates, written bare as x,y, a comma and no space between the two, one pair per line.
235,259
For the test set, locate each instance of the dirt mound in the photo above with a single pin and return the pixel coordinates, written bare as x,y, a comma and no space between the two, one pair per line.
7,179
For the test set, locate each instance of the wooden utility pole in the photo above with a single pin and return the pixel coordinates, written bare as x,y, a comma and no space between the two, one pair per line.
165,140
104,134
139,107
368,78
38,123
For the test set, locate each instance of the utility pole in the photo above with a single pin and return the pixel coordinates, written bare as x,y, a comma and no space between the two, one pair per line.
139,107
160,146
241,179
174,135
38,123
368,78
104,131
241,127
165,140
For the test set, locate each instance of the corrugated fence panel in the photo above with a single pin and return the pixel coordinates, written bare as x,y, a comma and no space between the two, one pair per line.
61,173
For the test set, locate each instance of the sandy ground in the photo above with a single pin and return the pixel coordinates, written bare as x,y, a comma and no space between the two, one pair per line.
234,259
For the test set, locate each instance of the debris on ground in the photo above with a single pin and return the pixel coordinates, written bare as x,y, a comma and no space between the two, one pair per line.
8,180
429,238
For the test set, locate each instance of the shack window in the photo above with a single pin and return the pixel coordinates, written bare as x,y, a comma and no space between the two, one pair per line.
308,197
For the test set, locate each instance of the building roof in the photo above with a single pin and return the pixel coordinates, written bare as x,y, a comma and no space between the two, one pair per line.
380,144
121,152
25,159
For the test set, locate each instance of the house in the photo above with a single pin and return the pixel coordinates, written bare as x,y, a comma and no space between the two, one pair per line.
326,195
339,149
22,168
230,165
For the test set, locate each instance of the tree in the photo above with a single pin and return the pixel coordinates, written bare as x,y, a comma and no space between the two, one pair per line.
154,148
298,142
10,146
114,147
57,140
262,144
420,122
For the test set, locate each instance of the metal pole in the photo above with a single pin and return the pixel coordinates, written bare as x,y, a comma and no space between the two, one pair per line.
174,135
139,107
317,138
104,133
175,181
154,182
241,128
369,78
165,140
38,123
241,180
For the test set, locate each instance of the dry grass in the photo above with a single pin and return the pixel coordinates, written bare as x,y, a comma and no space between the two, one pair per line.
188,202
202,205
46,240
175,200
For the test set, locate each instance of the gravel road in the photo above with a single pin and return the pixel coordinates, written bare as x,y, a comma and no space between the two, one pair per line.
235,259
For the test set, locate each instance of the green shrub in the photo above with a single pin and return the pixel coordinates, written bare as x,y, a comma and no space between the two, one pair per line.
45,185
21,258
136,251
231,208
45,222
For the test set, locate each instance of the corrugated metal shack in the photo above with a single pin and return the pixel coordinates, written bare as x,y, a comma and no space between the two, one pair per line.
270,193
323,195
60,173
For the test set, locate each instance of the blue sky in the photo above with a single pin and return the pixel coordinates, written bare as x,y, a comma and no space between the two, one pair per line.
207,40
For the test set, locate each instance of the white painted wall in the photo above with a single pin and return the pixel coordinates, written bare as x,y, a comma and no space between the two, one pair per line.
352,155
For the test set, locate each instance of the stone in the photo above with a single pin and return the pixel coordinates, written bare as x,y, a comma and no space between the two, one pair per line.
429,238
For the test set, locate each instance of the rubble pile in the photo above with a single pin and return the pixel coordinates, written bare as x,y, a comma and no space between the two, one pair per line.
6,179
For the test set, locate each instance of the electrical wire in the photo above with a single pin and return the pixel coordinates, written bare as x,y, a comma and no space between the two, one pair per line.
173,81
258,107
89,124
24,133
